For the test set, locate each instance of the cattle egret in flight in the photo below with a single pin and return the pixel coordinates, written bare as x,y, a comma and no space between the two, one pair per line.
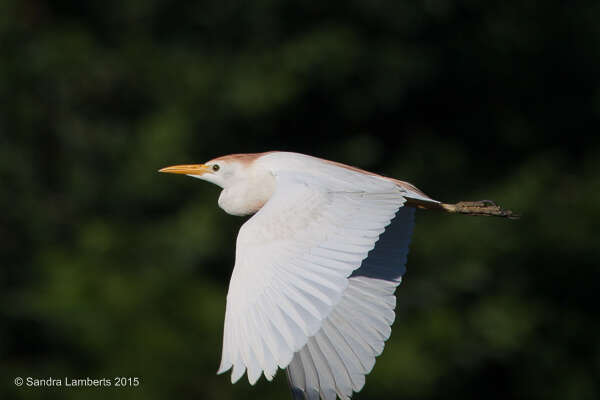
316,267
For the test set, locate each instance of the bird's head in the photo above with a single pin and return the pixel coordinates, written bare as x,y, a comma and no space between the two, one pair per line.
221,172
246,184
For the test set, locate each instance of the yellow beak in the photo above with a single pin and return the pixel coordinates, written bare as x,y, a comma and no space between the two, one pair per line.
187,169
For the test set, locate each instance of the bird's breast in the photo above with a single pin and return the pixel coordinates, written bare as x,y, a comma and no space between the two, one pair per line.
248,196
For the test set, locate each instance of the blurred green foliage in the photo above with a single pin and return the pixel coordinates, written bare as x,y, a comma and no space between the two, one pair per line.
110,269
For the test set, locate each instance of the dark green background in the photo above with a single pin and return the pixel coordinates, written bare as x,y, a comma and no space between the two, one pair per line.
111,269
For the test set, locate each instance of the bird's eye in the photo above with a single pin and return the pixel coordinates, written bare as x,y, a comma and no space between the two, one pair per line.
216,167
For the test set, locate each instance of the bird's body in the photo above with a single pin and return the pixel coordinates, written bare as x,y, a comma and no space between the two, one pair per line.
316,267
257,172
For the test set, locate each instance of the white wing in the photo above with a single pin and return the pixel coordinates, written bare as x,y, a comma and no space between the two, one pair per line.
343,351
293,261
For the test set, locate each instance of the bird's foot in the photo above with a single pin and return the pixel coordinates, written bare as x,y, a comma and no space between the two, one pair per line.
483,207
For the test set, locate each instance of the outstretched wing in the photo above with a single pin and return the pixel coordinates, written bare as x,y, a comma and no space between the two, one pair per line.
293,262
337,358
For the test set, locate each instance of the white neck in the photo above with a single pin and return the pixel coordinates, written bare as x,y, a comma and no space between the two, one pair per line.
247,196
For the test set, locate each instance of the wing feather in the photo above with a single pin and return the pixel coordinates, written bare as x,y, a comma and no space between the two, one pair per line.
294,258
359,324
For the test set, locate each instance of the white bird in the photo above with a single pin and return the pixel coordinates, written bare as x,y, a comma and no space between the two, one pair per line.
316,267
